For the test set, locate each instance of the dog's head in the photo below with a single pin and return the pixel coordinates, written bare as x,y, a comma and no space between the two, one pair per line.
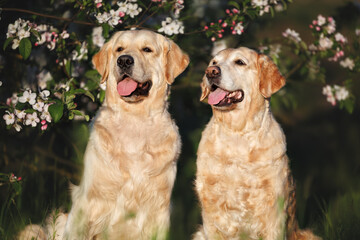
235,77
139,65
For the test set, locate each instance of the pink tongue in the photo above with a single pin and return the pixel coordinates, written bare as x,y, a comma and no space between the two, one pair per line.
126,86
216,96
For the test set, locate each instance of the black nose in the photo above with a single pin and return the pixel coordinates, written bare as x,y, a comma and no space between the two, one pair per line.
125,61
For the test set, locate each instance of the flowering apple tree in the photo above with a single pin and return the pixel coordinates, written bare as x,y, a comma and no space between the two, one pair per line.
67,85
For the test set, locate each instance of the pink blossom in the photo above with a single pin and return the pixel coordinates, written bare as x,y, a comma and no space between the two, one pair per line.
98,5
213,39
121,14
227,11
44,127
234,10
206,27
224,24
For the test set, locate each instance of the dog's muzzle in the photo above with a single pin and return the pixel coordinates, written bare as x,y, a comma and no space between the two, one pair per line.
125,62
213,74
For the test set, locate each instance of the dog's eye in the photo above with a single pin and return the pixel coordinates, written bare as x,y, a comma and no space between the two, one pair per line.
146,49
240,62
214,63
119,49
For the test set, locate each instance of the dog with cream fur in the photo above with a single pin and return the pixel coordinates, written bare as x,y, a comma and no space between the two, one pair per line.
130,159
243,179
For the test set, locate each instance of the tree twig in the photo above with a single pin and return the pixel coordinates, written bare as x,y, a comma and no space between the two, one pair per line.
47,16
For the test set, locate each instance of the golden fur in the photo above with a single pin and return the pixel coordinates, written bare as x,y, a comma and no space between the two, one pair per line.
243,179
130,159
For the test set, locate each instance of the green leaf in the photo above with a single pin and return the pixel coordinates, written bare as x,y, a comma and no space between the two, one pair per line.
79,113
102,96
7,42
29,110
106,28
25,48
68,68
56,111
235,4
272,11
20,106
85,92
36,33
349,105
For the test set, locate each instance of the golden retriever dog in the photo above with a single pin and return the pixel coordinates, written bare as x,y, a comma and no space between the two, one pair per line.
243,179
130,159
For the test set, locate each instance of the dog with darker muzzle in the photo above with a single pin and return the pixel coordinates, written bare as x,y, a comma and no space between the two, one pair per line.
243,179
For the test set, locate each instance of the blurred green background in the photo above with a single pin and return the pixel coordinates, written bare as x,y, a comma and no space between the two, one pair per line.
323,141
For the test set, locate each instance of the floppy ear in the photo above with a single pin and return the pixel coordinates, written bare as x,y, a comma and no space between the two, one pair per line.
176,61
204,90
101,61
271,79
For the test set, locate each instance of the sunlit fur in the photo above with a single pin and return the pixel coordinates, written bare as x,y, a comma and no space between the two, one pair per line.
130,159
243,179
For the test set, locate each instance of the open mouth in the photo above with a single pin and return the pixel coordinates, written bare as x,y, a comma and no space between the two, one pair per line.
220,97
128,87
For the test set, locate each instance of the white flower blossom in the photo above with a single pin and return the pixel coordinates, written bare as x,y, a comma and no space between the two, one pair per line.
357,32
133,10
0,83
44,94
45,115
9,118
325,43
259,3
321,20
114,18
102,18
82,54
51,45
38,106
238,29
123,7
28,97
64,34
43,77
327,91
97,37
15,44
12,28
341,93
291,34
22,33
171,26
32,119
14,98
347,63
340,38
20,114
335,93
17,127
